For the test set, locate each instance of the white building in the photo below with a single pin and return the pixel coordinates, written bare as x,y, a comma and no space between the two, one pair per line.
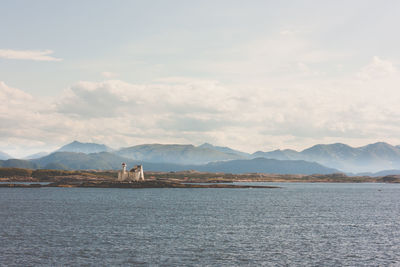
135,174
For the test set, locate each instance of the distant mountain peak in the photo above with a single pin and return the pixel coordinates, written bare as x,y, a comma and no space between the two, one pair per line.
75,142
87,148
206,145
224,149
379,144
334,145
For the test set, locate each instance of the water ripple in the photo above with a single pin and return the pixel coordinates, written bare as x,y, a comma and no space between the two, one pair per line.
299,225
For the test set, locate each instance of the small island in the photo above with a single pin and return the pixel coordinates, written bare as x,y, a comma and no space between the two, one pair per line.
142,184
133,178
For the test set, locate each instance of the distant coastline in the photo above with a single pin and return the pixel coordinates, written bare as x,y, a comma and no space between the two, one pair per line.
73,178
131,185
377,159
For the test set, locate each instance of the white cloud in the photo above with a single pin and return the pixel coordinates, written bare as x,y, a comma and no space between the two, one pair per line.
286,32
306,70
377,68
109,75
37,55
89,100
27,123
273,58
182,110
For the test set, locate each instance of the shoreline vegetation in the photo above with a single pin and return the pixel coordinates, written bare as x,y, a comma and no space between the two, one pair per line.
183,179
139,184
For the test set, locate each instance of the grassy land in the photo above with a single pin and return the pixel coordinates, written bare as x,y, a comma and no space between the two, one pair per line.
29,175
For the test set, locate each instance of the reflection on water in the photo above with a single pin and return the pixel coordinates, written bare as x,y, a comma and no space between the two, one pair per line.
297,225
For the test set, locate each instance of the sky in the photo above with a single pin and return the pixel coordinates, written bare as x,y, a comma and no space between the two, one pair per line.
251,75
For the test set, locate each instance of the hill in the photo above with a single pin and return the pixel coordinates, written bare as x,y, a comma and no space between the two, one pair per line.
263,165
177,154
108,161
86,148
225,149
287,154
81,161
369,158
18,163
385,173
366,159
37,155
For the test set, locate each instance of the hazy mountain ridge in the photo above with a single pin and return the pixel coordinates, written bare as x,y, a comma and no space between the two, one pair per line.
18,163
37,155
81,161
287,154
107,161
224,149
177,154
263,165
385,173
87,148
370,158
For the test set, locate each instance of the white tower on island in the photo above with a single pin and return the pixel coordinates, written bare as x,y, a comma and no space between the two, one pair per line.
135,174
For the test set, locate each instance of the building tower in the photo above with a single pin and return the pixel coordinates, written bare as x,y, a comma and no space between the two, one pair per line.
135,174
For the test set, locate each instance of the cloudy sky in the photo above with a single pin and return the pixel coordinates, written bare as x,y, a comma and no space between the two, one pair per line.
252,75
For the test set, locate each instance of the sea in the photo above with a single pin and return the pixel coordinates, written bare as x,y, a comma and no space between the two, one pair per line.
299,224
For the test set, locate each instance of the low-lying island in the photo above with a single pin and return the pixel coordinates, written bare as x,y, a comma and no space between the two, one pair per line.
141,184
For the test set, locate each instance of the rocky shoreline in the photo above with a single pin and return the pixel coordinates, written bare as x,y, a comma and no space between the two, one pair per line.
156,179
144,184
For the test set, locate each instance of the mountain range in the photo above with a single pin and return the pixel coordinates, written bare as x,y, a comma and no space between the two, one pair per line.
370,158
79,147
180,154
37,155
108,161
378,157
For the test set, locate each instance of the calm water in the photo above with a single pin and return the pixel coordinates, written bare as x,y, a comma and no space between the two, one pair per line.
301,224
